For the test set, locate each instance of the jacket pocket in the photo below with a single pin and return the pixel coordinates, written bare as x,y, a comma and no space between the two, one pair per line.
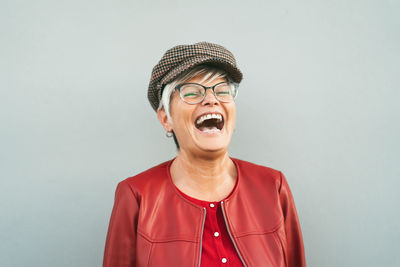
168,253
262,249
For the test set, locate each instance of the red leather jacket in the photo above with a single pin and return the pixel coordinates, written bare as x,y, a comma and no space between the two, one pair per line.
152,224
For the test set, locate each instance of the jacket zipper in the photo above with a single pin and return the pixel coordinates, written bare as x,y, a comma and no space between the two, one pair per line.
229,232
201,236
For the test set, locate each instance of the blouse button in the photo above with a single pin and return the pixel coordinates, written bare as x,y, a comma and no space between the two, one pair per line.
216,234
224,260
212,205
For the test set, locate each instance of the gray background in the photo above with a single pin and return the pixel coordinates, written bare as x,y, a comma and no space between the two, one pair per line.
319,101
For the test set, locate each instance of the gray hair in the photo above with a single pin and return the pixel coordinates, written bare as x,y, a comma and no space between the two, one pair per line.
209,74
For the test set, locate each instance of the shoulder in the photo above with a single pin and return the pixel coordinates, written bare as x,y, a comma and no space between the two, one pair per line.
251,172
245,167
148,178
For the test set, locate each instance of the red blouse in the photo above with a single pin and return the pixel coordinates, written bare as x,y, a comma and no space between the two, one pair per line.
218,249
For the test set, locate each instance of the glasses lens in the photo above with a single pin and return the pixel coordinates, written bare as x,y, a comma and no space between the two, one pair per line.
192,93
225,92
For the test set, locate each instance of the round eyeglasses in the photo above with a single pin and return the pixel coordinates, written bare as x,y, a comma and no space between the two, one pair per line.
194,93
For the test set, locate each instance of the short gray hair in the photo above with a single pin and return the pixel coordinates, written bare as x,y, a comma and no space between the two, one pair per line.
209,74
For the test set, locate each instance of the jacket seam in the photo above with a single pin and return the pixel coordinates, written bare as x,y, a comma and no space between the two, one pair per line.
133,191
274,230
166,240
280,180
282,247
148,257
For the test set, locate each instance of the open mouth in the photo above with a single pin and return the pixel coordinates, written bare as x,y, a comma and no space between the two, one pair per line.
211,122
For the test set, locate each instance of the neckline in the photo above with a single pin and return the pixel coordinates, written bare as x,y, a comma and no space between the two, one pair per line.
199,202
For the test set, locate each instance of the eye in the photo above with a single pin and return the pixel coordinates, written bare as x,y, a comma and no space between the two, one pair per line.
223,93
190,94
223,89
191,91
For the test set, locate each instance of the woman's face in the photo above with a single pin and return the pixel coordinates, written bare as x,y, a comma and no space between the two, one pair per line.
197,132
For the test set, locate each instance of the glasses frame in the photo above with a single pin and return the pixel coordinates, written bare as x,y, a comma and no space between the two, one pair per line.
236,85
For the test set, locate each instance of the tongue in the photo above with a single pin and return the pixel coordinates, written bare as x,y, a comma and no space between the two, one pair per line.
209,129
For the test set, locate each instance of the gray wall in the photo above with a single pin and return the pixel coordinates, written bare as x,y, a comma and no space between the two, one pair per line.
319,101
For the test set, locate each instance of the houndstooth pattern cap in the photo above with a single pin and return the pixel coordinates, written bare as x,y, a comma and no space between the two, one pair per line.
182,58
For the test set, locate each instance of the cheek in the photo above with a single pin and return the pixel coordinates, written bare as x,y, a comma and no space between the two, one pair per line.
181,116
232,114
181,122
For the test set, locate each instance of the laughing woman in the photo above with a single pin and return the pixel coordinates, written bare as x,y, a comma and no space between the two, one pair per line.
202,208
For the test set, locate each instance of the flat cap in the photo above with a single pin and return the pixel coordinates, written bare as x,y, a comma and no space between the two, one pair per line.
182,58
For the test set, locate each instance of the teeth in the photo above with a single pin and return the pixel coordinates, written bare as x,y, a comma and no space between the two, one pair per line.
210,130
209,116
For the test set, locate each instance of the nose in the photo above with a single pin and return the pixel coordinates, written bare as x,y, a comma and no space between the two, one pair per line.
210,99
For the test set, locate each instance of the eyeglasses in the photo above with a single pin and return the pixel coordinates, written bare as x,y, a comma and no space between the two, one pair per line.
194,93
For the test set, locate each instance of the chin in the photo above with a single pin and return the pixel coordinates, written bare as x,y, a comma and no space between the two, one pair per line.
213,145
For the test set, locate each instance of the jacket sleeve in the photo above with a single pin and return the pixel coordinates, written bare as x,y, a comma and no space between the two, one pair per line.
120,248
294,241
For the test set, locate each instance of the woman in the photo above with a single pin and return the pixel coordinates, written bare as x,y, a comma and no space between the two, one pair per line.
202,208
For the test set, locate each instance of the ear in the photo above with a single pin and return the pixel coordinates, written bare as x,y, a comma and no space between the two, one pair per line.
162,117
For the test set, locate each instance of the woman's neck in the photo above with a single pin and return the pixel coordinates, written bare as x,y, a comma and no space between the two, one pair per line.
205,178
